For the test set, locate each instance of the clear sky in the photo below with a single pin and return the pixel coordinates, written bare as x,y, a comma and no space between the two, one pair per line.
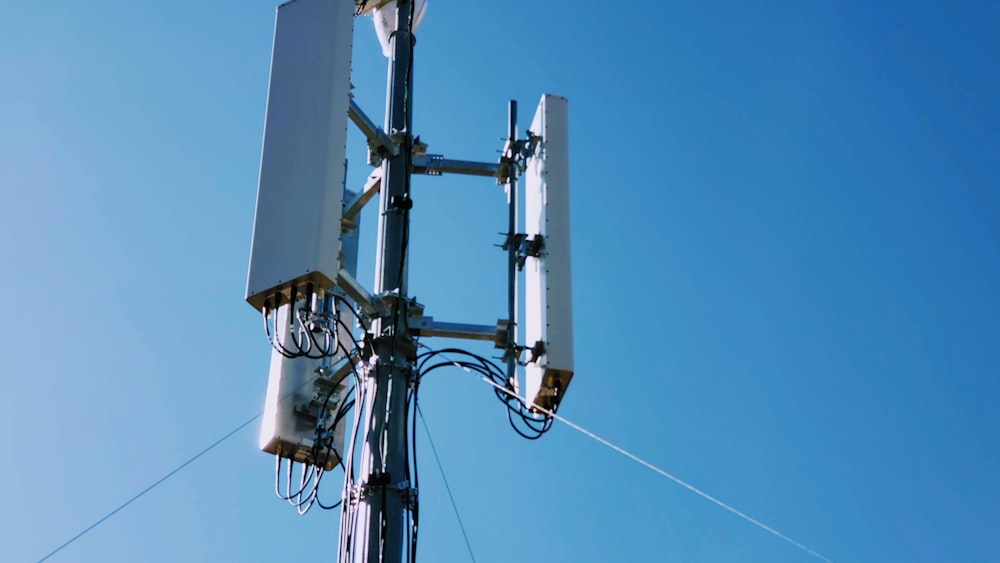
786,271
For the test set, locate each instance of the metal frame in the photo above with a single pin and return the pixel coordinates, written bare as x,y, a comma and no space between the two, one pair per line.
376,136
353,207
436,165
381,495
427,326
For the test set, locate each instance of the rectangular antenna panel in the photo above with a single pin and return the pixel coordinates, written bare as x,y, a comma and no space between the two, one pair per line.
301,391
303,395
296,231
548,323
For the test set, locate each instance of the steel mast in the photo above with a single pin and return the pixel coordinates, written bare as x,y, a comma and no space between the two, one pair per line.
384,494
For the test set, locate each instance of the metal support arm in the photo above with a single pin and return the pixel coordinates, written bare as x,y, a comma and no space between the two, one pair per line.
369,305
375,135
426,326
435,165
372,186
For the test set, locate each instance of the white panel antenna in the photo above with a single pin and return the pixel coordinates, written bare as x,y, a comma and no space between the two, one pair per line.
548,293
384,14
304,407
296,232
304,396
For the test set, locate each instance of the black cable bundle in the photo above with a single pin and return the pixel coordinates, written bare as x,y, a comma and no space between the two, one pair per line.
313,335
528,424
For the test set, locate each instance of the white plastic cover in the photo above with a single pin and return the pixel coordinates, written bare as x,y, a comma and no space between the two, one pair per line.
548,292
296,232
294,403
385,21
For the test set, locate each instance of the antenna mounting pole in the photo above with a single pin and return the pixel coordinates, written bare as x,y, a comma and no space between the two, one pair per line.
385,494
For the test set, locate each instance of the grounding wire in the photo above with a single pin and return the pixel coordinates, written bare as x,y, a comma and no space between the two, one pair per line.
673,478
446,486
174,471
152,486
209,448
415,509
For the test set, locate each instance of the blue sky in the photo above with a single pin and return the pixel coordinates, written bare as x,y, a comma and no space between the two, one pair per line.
785,275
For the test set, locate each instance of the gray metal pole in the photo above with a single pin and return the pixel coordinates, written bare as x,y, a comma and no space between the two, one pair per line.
512,249
385,494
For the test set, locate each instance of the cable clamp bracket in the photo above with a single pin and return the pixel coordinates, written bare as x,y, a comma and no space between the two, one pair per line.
435,165
376,481
513,350
514,157
406,492
525,246
537,351
356,494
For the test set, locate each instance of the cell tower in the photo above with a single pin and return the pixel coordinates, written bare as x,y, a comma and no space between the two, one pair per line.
345,363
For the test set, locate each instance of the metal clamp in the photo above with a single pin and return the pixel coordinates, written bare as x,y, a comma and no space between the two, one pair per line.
537,351
514,157
379,144
525,246
434,165
406,492
376,481
356,494
380,481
